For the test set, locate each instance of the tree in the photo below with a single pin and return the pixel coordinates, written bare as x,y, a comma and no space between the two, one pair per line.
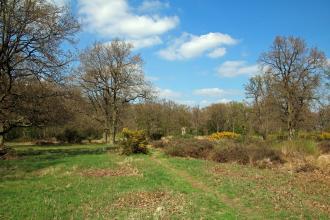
295,70
258,89
31,35
111,77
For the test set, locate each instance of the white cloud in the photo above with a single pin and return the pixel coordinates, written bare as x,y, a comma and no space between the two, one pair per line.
214,92
189,46
152,6
237,68
115,18
168,93
224,100
145,42
218,52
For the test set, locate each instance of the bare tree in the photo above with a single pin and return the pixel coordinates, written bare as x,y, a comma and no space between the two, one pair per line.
259,90
296,71
112,77
31,33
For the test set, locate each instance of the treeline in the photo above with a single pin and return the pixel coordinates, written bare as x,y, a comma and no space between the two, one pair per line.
42,96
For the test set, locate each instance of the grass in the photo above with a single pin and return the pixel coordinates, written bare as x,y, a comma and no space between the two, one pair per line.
50,183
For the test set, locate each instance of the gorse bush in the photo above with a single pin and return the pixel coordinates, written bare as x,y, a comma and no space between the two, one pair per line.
133,142
223,135
324,136
314,136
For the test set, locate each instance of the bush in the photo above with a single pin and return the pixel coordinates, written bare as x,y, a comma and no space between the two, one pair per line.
223,135
133,142
246,154
324,136
189,148
71,136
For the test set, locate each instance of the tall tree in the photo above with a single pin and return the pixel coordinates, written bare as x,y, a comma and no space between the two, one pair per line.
112,77
295,70
31,34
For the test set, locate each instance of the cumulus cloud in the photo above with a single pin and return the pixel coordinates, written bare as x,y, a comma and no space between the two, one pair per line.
168,93
214,92
189,46
116,18
237,68
218,52
152,6
145,42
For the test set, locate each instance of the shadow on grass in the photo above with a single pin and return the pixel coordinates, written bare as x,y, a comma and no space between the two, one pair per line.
30,160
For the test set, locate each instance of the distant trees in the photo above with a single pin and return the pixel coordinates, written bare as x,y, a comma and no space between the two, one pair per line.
31,33
112,77
289,84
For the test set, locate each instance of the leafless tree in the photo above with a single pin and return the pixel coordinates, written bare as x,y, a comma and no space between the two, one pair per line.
31,34
296,71
259,90
112,77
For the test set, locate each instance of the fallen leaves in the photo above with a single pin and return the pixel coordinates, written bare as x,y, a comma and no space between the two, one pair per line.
127,170
159,202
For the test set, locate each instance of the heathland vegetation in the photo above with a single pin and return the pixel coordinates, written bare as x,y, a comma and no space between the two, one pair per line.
83,135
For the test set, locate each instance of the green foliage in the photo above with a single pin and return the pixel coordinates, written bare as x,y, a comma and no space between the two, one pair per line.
298,146
133,141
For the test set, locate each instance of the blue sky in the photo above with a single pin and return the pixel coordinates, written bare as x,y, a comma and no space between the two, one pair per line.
203,51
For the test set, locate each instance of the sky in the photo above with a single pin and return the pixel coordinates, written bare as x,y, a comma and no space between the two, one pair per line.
199,52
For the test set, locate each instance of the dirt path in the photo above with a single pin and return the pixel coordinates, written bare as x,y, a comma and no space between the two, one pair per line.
243,211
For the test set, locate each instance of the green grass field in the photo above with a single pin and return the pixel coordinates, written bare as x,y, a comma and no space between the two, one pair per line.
89,182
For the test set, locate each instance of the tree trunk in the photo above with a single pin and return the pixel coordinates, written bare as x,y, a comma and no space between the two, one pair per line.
114,125
1,136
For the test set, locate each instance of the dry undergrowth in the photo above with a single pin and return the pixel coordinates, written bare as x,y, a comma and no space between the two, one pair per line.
123,170
305,187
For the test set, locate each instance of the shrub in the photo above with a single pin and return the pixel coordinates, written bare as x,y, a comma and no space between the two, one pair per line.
246,154
223,135
71,136
189,148
133,142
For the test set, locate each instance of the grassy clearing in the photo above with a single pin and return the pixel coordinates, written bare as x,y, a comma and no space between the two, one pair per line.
86,182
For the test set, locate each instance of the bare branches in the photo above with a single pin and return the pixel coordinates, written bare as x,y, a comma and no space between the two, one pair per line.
31,34
295,70
112,77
